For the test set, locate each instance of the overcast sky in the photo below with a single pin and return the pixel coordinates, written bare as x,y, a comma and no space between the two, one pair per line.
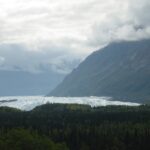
35,33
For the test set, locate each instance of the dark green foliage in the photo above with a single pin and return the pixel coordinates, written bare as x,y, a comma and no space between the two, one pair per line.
20,139
8,109
120,70
80,127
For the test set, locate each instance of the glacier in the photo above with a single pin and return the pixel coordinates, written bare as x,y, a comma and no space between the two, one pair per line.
28,103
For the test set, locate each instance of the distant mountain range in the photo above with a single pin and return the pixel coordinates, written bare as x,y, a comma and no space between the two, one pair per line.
23,83
25,72
120,70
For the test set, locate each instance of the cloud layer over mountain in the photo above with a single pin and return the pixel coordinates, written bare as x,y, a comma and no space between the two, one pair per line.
41,34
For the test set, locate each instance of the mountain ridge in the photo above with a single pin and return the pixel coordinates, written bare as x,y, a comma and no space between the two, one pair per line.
120,70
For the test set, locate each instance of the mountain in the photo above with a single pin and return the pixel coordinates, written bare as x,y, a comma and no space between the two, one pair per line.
25,71
120,70
14,83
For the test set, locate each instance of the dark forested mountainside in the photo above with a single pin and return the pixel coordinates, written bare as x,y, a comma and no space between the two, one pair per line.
120,70
75,127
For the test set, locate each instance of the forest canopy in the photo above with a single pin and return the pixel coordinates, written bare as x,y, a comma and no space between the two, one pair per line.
75,127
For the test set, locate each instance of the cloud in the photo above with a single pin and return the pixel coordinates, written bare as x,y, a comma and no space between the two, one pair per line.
19,58
37,34
2,59
124,20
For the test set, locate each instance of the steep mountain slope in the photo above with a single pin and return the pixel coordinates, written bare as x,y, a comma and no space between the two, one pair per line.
120,70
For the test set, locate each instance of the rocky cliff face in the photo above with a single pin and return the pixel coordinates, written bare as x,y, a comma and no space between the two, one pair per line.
120,70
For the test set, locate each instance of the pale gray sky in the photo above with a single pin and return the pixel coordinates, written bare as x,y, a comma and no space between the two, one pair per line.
45,32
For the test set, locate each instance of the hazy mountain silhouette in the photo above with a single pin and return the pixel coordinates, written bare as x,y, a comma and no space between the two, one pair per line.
14,83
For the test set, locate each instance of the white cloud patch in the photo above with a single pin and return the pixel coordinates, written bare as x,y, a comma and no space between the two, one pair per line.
124,20
2,59
52,32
